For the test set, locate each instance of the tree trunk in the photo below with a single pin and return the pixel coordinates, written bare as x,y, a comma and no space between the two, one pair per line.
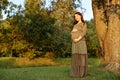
107,21
101,28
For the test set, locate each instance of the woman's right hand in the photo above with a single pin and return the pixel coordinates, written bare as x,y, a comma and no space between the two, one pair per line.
78,39
74,30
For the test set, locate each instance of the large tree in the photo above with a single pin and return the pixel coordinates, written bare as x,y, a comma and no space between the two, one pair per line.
107,21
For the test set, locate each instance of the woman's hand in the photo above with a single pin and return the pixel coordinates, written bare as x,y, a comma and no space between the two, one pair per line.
78,39
74,30
75,40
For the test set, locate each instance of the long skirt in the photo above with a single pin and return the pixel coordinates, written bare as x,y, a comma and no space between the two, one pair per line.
79,65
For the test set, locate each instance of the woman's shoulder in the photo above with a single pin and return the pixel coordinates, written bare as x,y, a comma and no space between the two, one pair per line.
80,24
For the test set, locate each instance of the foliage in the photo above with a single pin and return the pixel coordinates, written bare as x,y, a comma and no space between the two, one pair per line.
63,43
13,62
37,31
92,40
3,6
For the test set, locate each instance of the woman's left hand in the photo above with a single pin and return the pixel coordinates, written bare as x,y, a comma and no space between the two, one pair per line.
75,40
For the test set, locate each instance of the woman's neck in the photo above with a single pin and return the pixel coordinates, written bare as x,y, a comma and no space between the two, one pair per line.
79,21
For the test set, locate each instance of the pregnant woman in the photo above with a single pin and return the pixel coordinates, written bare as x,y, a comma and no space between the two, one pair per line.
79,62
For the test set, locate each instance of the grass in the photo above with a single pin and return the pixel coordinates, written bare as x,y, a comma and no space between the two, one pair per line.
60,71
12,62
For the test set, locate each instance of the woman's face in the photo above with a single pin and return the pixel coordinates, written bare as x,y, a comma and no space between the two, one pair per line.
77,17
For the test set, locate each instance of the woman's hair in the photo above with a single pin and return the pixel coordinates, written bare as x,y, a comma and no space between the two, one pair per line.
75,22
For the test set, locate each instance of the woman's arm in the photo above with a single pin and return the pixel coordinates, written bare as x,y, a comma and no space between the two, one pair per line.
83,32
74,30
76,40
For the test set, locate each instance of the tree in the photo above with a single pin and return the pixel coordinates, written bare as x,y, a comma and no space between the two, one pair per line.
33,6
107,21
38,30
42,32
63,10
38,27
3,6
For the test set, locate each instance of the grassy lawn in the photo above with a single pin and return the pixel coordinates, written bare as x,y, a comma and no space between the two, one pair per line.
56,72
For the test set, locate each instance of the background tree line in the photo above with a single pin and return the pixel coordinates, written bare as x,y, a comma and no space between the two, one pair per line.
37,31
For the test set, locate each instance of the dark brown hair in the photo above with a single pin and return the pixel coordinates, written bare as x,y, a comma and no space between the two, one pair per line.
75,22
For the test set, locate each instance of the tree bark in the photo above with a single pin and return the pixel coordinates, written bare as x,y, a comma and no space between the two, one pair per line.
101,28
107,21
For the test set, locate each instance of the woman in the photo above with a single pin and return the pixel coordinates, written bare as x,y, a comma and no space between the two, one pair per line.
79,50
